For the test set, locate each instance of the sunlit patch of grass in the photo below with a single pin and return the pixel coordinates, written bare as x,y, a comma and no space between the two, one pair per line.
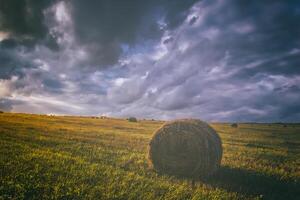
47,157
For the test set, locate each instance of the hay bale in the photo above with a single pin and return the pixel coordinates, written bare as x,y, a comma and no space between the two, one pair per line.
187,148
234,125
132,119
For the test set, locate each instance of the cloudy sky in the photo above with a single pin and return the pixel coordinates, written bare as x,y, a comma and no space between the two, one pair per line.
218,60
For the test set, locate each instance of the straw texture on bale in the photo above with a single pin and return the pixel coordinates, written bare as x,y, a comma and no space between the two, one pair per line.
187,148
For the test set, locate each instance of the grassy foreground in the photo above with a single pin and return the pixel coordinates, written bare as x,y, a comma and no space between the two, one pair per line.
46,157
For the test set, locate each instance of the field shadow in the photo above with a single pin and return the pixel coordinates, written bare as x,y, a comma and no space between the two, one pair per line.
251,183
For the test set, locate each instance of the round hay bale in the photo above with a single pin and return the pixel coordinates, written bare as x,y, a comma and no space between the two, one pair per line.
234,125
132,119
187,148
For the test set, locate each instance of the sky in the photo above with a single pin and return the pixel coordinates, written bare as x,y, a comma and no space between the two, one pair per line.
216,60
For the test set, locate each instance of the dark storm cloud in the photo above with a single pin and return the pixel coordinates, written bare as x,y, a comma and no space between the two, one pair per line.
53,85
259,31
122,21
23,22
12,63
224,63
24,19
100,27
222,60
7,104
105,25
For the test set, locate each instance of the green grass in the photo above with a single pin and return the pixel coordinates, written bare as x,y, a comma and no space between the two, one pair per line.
44,157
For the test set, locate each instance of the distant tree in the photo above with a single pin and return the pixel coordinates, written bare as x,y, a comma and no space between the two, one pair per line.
1,111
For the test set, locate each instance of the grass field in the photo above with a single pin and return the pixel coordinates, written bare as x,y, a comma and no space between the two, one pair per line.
46,157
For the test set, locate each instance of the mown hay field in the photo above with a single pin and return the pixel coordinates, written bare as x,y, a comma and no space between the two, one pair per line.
47,157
